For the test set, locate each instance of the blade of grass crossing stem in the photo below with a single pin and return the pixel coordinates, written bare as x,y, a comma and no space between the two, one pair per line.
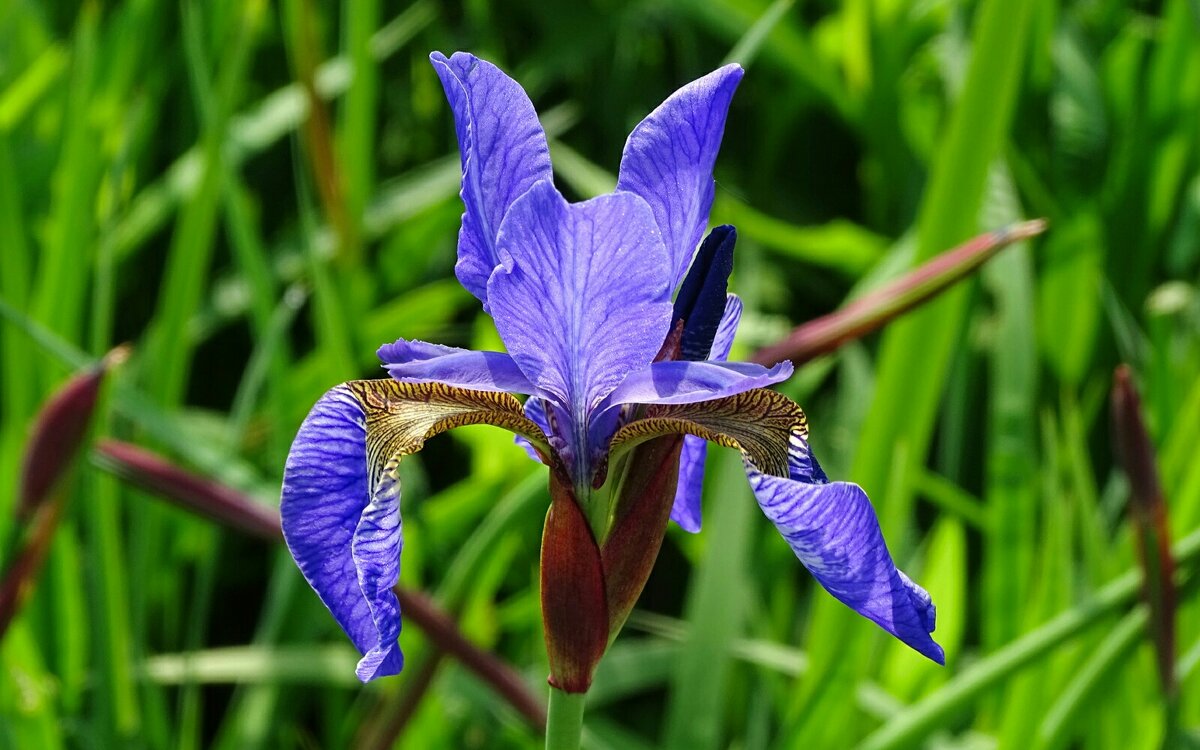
527,497
940,708
716,601
1113,651
114,650
1011,489
915,353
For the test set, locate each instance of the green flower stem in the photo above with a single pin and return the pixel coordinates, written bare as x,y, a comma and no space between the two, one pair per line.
564,720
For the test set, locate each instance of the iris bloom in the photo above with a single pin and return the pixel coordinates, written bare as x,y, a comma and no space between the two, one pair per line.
616,366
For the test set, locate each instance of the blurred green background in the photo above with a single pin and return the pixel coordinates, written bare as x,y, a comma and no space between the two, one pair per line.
258,195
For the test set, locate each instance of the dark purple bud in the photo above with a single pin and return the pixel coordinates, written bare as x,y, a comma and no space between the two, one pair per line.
59,431
1148,511
574,609
701,298
876,309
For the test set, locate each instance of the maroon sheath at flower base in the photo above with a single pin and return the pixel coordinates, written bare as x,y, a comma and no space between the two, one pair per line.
574,610
640,523
584,297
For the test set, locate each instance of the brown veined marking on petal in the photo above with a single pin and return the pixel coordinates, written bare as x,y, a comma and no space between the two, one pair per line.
400,417
760,423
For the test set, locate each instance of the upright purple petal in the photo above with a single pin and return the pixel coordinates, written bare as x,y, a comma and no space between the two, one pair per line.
503,151
833,530
582,295
669,157
421,362
690,490
346,543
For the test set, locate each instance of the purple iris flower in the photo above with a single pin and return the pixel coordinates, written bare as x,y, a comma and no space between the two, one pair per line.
617,328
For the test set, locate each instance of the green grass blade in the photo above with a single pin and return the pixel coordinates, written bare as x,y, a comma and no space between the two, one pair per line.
944,704
715,606
916,352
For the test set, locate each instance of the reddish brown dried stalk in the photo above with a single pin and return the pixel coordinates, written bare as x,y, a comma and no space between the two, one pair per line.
878,308
1148,511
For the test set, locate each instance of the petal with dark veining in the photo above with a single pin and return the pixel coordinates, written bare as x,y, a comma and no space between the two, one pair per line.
503,152
669,157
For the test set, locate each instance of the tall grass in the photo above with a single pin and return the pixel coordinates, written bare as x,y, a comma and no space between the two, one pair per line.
256,195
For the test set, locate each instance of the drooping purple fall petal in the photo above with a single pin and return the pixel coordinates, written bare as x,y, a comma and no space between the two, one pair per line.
504,153
832,529
341,495
669,157
326,499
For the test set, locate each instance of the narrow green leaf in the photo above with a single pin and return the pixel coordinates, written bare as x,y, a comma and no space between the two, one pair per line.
938,708
715,604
